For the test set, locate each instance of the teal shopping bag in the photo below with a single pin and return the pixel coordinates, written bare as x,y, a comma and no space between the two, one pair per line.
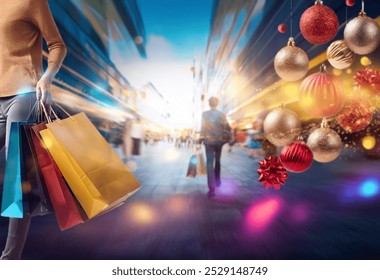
11,205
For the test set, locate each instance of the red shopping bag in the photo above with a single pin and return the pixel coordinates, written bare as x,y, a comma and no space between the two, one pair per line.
65,208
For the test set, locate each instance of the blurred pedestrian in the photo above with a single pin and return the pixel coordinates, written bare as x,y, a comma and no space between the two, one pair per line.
137,134
215,133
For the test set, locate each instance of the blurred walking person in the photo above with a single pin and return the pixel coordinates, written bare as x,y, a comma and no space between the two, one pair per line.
137,134
215,132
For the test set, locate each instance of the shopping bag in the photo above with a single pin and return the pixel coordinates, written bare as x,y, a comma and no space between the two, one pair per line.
192,168
11,204
36,197
201,164
64,205
93,171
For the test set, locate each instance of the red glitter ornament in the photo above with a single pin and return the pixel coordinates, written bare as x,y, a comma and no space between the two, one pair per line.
296,157
321,95
272,172
368,79
282,28
350,3
356,115
319,24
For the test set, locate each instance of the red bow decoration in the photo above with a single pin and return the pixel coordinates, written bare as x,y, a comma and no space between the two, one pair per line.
368,78
272,172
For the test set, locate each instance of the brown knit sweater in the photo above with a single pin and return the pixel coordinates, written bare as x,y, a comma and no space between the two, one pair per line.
23,23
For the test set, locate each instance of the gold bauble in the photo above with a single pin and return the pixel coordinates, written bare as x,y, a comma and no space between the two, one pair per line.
282,127
325,144
291,63
339,55
362,34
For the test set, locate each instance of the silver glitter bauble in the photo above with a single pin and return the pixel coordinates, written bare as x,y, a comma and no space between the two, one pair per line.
325,144
282,127
362,34
291,63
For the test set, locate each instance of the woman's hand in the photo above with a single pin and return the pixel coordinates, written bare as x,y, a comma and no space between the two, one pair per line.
43,92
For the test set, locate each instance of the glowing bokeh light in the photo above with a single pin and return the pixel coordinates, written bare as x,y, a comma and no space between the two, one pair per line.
369,188
177,205
337,72
349,71
132,166
365,61
141,214
369,142
262,214
171,154
300,213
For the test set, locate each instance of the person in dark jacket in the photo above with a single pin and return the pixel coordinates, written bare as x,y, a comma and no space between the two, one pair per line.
215,133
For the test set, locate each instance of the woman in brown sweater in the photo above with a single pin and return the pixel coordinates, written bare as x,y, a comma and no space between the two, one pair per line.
23,23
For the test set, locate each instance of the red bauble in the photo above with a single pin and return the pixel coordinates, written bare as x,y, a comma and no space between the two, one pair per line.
296,157
356,115
319,24
321,94
350,3
272,172
282,28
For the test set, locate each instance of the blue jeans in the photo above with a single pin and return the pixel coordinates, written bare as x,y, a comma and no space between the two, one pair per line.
213,154
13,109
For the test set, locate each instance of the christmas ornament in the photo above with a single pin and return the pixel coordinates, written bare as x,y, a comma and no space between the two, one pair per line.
356,115
291,63
368,79
282,127
319,24
272,172
368,142
339,55
350,3
325,144
362,34
282,28
321,94
296,157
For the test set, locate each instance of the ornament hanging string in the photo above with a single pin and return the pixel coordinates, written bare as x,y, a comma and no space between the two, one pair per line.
363,6
291,18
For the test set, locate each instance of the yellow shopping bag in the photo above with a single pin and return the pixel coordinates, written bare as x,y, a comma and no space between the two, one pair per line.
94,172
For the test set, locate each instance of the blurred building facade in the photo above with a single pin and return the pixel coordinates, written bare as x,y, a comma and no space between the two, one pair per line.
94,31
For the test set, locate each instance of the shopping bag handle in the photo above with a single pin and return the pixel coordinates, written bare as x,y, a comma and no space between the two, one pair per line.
45,112
32,111
54,113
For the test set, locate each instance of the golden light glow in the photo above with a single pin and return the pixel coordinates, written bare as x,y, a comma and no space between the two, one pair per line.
349,71
369,142
141,213
337,72
365,61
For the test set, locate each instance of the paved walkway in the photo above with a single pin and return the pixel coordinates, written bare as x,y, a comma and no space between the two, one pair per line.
332,211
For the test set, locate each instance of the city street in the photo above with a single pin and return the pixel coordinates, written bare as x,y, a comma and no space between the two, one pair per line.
329,212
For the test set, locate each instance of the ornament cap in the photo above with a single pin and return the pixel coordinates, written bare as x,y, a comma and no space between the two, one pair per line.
323,68
318,2
291,42
324,123
362,13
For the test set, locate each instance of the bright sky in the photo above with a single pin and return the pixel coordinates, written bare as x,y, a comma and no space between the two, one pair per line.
176,32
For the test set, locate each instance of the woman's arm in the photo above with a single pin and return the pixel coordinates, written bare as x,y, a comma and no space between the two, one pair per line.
44,21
